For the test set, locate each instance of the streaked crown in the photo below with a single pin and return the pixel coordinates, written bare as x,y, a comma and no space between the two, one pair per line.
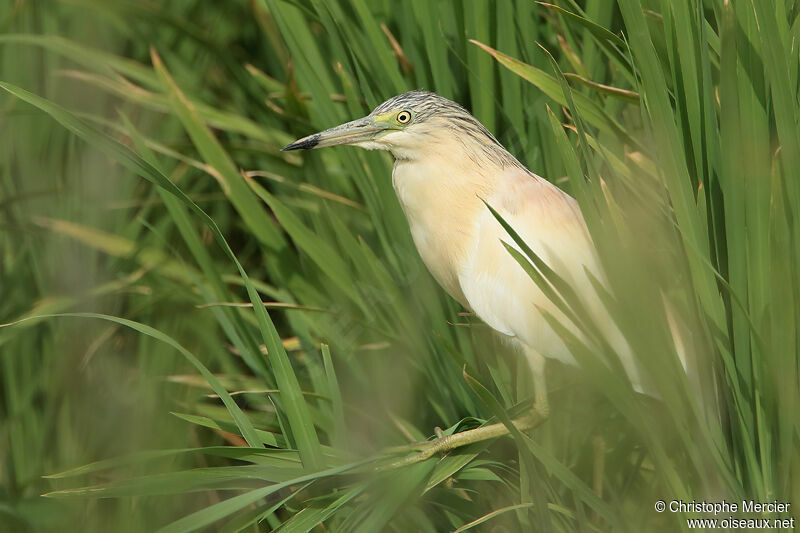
437,111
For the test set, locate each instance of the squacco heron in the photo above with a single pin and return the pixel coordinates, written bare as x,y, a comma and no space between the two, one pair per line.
447,168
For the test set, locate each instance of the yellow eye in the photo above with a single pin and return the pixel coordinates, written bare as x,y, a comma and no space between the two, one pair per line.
403,117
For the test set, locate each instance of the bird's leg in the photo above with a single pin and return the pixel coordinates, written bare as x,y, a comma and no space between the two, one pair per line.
533,418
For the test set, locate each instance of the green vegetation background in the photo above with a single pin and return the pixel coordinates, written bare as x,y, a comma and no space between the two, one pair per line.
675,125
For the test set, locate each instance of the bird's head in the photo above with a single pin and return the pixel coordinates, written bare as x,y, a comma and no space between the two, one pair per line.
408,125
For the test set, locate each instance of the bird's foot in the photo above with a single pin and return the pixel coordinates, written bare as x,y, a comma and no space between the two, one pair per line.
444,443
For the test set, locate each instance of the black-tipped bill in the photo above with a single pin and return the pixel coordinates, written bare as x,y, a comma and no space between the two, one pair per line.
306,143
363,129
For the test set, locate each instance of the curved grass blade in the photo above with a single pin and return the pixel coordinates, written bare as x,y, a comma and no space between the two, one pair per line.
310,517
242,422
292,398
493,514
236,189
186,481
239,453
622,94
87,56
209,515
590,110
243,520
550,462
596,30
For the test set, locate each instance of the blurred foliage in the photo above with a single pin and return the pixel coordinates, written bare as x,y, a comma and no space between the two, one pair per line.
674,124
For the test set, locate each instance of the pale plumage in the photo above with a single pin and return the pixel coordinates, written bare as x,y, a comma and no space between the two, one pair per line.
446,166
460,241
443,195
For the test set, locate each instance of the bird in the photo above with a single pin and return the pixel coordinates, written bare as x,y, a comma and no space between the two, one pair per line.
448,171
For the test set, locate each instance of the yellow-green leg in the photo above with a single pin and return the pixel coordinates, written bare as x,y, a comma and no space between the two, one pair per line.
533,418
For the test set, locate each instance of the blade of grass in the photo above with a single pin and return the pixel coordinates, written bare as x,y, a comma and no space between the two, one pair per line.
294,403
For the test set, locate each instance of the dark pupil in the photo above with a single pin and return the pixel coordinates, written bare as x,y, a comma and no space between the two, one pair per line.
403,117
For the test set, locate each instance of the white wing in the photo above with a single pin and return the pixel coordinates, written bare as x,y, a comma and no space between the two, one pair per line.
502,294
